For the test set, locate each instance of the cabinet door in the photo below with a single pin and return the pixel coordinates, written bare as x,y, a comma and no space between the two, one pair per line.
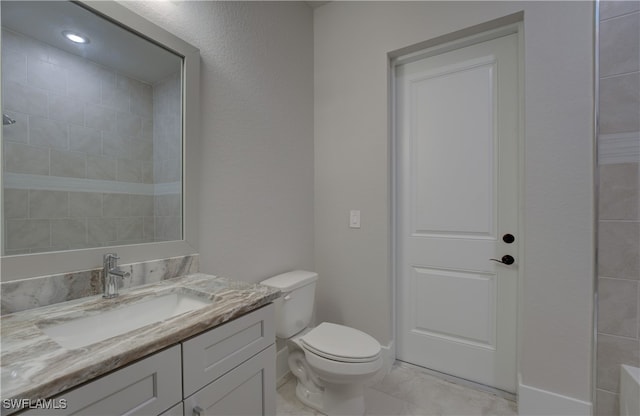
212,354
248,390
177,410
147,387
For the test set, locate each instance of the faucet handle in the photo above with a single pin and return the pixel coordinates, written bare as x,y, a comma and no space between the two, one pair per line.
110,261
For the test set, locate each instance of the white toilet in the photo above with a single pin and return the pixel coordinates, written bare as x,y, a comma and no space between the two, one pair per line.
330,361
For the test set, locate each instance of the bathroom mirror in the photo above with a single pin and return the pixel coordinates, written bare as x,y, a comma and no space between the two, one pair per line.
99,114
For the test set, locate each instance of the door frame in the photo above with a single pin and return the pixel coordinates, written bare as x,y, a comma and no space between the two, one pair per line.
507,25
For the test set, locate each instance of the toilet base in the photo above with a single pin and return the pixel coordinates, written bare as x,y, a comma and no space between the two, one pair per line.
312,399
330,387
335,399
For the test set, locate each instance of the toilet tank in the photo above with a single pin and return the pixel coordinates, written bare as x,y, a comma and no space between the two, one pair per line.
295,306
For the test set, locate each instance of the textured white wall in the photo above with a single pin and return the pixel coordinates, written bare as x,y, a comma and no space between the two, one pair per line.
256,196
352,158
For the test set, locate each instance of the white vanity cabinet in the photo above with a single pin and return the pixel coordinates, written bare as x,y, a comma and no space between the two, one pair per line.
177,410
227,370
247,390
211,354
230,370
147,387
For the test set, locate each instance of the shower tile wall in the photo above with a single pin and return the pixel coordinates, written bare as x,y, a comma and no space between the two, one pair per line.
167,156
79,120
619,213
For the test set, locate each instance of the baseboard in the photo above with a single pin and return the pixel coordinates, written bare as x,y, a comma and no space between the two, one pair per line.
533,401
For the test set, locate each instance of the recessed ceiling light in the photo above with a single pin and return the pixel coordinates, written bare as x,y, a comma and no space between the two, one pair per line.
75,37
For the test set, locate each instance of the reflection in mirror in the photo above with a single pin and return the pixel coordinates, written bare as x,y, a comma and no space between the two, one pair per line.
92,132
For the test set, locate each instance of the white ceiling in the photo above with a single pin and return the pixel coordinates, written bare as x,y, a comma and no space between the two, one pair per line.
314,4
110,44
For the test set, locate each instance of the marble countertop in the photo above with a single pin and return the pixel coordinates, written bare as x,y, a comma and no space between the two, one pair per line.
33,366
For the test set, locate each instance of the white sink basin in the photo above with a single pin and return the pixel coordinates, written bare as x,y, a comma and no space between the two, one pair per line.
84,331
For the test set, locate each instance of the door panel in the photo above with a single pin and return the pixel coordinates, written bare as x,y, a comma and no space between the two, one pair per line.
457,129
468,298
466,204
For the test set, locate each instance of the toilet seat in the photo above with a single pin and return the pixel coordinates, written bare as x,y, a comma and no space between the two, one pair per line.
341,343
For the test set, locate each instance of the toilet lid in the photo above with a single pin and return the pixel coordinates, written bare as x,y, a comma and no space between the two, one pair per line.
341,343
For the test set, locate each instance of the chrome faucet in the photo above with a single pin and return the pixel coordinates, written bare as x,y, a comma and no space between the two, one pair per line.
110,273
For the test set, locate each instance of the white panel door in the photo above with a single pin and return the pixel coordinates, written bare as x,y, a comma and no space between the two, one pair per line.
457,177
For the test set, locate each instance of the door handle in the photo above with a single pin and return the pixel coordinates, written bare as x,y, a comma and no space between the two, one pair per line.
198,411
506,259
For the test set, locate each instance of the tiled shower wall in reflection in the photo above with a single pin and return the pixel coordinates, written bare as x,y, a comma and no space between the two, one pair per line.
619,213
77,122
167,156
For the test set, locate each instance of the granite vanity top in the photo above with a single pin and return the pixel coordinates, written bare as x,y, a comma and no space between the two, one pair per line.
33,366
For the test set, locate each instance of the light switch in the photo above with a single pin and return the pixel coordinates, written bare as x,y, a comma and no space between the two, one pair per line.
354,218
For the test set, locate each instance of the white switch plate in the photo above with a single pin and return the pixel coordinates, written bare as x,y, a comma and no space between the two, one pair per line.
354,218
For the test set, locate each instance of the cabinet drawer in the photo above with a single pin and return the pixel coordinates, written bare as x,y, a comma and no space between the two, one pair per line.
247,390
210,355
147,387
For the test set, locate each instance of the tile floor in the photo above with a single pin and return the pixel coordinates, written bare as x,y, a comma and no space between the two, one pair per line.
407,391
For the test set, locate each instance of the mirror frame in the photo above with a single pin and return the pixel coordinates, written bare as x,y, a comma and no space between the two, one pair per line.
31,265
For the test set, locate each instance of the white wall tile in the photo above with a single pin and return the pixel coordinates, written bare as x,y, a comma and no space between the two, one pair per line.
101,230
142,205
15,203
72,232
44,132
130,228
619,194
619,229
619,249
609,9
20,158
149,228
620,45
116,99
24,99
45,75
48,204
142,101
618,307
115,205
620,104
129,171
85,204
66,109
84,87
607,403
116,145
69,164
85,139
168,205
613,351
128,124
168,228
99,117
101,167
27,234
14,66
17,132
